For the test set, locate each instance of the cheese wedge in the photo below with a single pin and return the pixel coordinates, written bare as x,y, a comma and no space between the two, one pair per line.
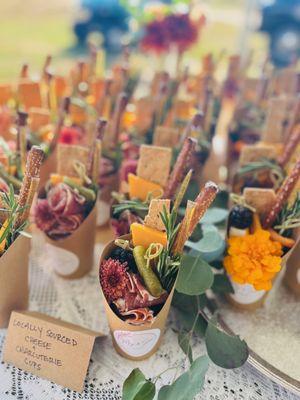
140,188
143,235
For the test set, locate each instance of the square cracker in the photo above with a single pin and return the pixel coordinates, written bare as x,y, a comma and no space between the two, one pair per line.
261,199
154,164
252,153
153,219
67,154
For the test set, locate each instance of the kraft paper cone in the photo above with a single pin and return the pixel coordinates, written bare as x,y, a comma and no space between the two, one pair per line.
14,291
48,167
6,93
292,275
81,244
131,341
29,94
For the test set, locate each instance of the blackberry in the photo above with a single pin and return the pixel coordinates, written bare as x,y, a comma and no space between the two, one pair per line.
240,217
124,256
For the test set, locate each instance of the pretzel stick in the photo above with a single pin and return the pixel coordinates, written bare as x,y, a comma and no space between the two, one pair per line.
282,195
180,168
100,129
100,107
290,147
183,233
33,166
195,123
24,71
64,110
21,139
203,201
96,161
116,119
46,66
33,189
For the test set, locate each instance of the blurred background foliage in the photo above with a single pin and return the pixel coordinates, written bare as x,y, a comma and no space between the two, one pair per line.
30,29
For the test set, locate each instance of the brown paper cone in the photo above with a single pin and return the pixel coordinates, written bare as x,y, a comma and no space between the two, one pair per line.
292,274
14,290
48,167
81,244
131,341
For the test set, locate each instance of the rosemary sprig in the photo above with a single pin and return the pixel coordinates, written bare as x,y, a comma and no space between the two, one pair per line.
265,164
289,217
11,231
135,206
167,266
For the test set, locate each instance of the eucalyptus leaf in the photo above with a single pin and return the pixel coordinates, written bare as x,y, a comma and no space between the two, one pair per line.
211,246
195,276
226,351
137,387
189,384
184,341
222,284
191,321
214,215
188,308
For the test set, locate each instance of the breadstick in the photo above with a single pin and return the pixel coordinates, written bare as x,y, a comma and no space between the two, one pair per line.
282,195
182,165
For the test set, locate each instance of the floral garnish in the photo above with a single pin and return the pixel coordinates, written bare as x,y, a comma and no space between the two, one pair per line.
254,259
113,279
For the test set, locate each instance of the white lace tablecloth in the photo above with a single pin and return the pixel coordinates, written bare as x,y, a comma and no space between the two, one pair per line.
80,302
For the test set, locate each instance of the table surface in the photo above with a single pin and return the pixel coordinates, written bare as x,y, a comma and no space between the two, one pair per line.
79,301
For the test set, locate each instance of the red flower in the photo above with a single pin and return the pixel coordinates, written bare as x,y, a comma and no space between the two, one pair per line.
113,279
43,215
69,135
181,30
156,37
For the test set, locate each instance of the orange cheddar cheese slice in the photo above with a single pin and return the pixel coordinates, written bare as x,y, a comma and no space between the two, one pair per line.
140,188
142,235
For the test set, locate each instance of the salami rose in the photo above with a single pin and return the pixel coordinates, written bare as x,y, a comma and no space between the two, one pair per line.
137,296
63,201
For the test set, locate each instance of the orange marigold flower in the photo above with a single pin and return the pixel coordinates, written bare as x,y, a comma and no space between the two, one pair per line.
254,259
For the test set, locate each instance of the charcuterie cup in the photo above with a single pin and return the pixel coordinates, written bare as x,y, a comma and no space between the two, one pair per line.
132,341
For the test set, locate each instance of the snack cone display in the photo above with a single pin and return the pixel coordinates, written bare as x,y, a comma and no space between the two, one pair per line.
138,272
135,342
14,291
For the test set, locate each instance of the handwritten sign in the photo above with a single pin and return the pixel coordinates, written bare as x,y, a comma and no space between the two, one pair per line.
50,348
